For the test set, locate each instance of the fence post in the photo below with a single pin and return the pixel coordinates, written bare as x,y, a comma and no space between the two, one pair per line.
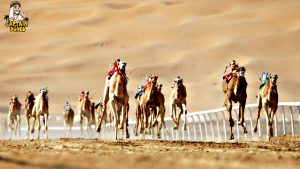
251,122
194,125
205,126
276,130
218,127
224,126
283,121
292,121
212,128
200,128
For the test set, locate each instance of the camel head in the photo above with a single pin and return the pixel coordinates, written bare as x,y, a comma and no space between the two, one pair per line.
14,99
159,87
44,91
241,71
86,94
273,79
30,96
153,79
122,66
178,81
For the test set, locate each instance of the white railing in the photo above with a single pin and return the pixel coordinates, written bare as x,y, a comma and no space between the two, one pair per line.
209,125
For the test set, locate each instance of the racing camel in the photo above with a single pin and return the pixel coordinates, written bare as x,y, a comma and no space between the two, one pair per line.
118,99
29,103
14,116
236,91
41,108
84,111
268,98
178,100
150,106
68,119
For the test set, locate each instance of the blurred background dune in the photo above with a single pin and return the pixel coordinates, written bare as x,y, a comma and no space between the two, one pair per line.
70,44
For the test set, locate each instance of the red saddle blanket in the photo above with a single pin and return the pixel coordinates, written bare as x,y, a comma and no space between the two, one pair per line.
228,76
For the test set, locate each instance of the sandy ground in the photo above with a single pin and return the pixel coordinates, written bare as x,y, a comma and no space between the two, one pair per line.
69,47
78,153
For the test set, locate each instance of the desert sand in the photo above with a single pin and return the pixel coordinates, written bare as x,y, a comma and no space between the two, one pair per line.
69,46
79,153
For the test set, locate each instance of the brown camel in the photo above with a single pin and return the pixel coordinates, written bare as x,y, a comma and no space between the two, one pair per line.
268,98
41,108
236,91
150,106
84,111
14,116
97,111
118,99
68,119
29,103
178,100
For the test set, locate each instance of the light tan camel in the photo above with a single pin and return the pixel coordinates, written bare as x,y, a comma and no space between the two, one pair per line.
29,103
118,99
268,98
236,91
84,111
68,119
41,108
178,100
14,116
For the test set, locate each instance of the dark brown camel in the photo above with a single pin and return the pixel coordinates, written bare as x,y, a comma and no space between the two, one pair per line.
29,103
236,91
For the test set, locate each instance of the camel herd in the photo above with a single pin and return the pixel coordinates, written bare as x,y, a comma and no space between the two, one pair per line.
149,108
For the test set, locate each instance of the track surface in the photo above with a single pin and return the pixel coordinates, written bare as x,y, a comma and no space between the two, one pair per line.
281,153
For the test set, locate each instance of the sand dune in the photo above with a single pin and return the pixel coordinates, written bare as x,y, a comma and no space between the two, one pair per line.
69,46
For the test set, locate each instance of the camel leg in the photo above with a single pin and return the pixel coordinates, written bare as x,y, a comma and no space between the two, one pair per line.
88,126
46,125
32,127
81,125
39,125
241,116
125,109
65,127
116,118
28,124
265,108
18,127
274,109
259,102
231,122
172,112
137,117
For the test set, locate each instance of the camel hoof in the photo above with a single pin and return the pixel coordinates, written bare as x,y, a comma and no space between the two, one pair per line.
255,130
175,127
231,137
127,135
245,130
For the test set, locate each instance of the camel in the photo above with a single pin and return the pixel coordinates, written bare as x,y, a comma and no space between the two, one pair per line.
118,99
84,110
29,103
235,91
14,116
41,108
68,119
178,100
150,106
268,98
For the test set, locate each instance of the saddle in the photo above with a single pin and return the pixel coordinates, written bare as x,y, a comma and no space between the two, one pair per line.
228,77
